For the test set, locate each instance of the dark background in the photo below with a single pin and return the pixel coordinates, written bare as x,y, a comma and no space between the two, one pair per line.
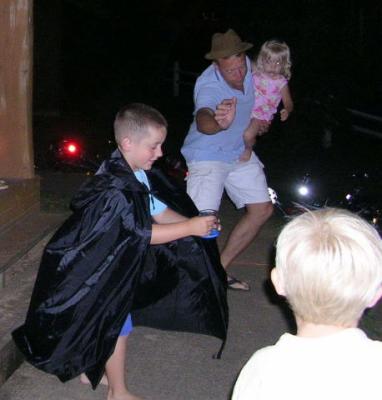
92,56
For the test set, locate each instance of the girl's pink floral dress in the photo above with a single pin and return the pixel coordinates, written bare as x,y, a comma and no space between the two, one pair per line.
267,95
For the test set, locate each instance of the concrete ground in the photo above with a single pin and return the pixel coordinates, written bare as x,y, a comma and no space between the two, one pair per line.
177,366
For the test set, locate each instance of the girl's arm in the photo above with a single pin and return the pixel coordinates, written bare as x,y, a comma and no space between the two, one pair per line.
170,225
287,103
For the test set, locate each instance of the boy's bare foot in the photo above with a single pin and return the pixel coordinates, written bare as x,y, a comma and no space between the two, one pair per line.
246,155
236,284
85,380
122,396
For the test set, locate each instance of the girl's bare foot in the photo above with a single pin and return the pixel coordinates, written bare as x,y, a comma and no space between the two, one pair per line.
85,380
246,155
122,396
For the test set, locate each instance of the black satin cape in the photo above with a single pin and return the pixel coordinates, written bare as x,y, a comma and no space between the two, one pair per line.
99,266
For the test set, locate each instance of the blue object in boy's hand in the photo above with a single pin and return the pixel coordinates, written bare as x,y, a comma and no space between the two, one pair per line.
214,232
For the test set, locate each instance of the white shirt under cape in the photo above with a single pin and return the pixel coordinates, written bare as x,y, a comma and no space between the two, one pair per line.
343,366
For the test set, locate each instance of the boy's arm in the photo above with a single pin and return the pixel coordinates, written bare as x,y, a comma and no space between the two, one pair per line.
168,216
170,225
287,103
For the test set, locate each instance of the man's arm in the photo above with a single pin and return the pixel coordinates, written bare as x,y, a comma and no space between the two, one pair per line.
210,122
206,123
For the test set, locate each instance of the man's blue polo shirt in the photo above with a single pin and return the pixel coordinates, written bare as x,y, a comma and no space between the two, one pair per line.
227,146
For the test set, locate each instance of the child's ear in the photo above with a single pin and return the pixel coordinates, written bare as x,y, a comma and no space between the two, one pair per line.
125,144
277,282
376,298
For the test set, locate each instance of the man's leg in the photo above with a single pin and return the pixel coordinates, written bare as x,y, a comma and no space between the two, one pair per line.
246,185
245,231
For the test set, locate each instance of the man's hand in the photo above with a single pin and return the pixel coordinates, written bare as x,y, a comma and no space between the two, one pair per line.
225,112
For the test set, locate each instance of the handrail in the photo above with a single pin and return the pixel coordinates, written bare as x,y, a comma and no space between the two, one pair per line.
368,117
362,114
177,73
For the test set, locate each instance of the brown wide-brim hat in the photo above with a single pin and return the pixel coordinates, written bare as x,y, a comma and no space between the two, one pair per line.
226,45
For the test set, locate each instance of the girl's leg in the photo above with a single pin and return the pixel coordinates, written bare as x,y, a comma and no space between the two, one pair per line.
115,372
249,140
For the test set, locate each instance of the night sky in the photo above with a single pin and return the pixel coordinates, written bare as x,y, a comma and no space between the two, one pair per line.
91,56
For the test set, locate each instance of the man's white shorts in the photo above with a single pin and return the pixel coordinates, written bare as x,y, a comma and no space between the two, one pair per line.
244,182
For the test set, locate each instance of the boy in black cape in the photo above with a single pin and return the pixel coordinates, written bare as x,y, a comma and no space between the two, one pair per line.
131,246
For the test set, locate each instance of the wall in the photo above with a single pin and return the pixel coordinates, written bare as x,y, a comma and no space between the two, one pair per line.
16,149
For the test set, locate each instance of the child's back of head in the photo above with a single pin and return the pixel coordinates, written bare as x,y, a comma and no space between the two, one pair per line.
329,264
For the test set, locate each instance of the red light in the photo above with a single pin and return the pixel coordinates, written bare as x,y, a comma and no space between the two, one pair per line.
71,148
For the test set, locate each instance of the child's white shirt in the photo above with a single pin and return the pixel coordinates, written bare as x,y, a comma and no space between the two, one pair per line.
345,365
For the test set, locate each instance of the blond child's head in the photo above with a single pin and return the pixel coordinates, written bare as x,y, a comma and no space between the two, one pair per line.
274,54
329,266
140,132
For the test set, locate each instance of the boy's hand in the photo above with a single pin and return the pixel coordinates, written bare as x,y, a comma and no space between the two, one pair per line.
225,112
284,114
201,226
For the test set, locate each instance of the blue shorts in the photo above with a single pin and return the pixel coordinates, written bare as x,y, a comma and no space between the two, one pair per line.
127,326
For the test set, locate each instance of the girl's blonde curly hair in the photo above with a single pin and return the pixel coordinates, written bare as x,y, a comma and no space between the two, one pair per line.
274,50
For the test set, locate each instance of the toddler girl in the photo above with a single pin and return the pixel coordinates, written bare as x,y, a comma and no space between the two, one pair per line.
271,72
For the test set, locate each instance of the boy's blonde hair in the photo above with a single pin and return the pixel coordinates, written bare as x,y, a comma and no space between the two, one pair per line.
329,263
274,50
134,119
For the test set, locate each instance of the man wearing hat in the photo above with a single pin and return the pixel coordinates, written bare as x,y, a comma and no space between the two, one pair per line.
223,98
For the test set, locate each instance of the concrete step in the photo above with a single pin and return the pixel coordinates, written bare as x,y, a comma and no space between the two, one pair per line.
18,197
21,246
21,236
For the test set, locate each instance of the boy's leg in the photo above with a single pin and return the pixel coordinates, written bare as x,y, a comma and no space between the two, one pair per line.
85,380
125,331
115,372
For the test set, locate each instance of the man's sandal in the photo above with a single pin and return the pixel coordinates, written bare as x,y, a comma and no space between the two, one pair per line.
235,284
